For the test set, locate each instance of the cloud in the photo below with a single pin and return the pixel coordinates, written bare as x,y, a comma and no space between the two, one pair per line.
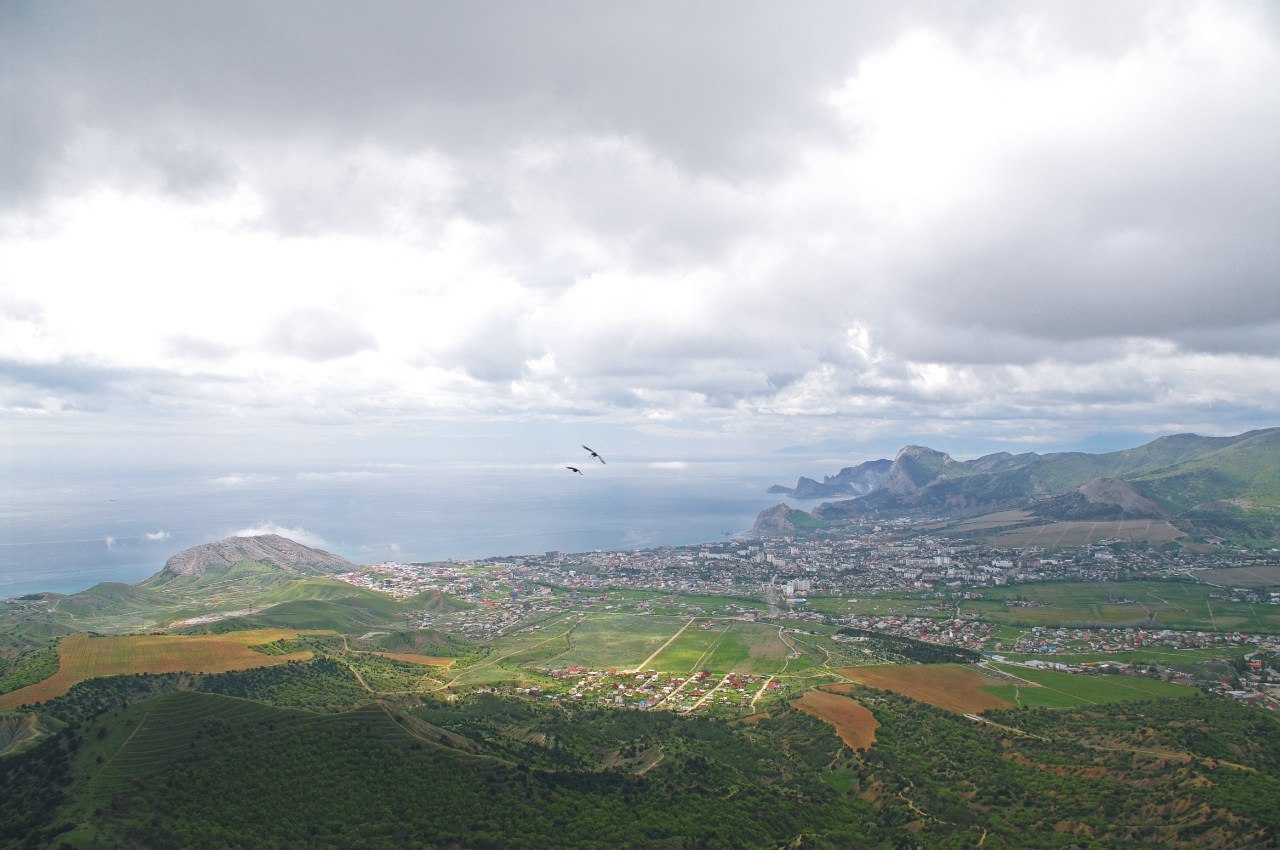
156,535
876,218
298,535
240,480
341,475
111,542
318,336
669,464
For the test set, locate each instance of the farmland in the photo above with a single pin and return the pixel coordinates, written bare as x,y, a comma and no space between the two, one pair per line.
1067,534
1172,605
855,725
1055,689
1260,576
616,640
949,686
730,647
82,657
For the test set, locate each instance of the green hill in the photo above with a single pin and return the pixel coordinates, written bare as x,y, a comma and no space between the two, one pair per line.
202,771
1228,486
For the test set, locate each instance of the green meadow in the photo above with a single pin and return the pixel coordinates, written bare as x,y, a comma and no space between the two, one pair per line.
1056,689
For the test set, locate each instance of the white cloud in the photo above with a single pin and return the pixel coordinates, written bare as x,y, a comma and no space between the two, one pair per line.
111,542
235,479
298,535
669,464
156,535
895,218
340,475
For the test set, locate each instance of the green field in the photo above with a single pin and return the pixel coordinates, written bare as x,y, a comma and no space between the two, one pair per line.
1151,655
1166,605
623,641
1069,690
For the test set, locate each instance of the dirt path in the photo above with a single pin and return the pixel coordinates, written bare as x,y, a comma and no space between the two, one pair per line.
644,665
789,644
709,651
141,722
489,662
978,718
1166,602
697,705
760,692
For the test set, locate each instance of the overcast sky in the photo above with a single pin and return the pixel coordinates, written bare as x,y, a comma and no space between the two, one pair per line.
690,227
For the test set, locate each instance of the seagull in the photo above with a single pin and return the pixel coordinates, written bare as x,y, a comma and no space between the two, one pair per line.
574,469
593,453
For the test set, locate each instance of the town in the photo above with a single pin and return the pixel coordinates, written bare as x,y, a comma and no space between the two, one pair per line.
924,588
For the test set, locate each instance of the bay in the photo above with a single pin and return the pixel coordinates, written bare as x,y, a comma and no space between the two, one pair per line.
66,530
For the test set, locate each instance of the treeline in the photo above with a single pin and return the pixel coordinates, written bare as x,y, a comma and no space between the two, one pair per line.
909,649
322,684
33,667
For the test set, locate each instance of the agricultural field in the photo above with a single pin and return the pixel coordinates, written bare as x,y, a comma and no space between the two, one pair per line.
881,603
1171,605
950,686
1168,656
1084,533
855,725
1002,519
1242,577
1056,689
624,641
82,657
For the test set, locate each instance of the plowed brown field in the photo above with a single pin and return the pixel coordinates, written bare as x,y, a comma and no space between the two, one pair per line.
855,725
83,657
948,686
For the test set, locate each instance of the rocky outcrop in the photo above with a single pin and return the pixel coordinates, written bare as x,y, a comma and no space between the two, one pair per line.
271,549
850,481
776,522
913,468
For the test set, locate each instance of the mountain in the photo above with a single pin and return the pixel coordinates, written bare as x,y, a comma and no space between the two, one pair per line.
850,481
271,549
1223,485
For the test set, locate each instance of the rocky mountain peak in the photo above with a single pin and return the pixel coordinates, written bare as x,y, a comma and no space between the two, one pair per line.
273,549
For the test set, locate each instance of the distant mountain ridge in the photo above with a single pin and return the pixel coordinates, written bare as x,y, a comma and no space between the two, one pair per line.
850,481
1184,478
273,549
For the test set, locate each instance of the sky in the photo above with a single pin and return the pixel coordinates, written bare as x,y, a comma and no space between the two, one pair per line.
478,231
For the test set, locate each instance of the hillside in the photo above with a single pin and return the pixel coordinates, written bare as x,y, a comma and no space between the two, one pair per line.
200,770
1227,486
264,549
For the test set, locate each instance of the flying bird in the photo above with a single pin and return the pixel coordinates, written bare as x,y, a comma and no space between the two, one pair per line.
594,454
574,469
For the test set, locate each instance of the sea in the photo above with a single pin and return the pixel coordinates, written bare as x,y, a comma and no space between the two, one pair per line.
67,530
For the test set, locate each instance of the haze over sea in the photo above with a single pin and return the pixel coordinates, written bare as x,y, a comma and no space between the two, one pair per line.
67,530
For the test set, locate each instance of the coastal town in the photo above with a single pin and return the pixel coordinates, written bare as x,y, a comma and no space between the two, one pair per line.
934,590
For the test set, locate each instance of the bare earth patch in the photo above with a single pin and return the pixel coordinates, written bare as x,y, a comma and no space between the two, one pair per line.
948,686
855,725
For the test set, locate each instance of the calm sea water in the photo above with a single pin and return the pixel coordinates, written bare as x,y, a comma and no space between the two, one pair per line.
66,531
